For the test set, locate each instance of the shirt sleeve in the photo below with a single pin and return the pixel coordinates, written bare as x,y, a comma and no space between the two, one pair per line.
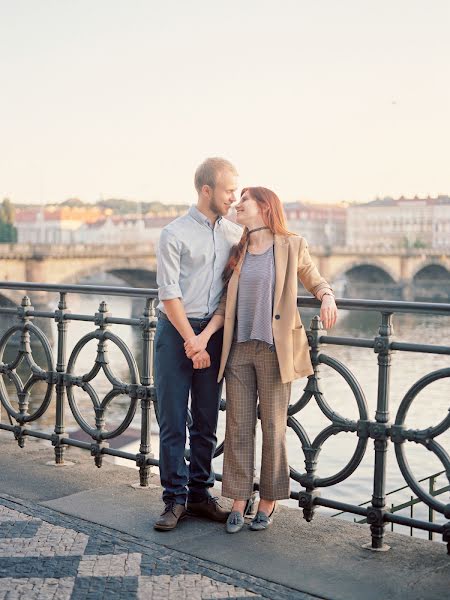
168,267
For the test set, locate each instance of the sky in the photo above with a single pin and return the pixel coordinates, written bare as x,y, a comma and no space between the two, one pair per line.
321,101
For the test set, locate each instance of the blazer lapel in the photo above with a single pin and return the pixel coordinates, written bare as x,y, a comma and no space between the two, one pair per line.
233,284
281,249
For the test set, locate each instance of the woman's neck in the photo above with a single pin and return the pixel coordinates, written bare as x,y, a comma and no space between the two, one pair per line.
261,239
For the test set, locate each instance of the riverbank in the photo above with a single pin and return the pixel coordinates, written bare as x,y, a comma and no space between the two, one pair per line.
294,559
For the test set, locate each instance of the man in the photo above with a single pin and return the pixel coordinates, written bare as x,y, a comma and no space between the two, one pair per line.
193,251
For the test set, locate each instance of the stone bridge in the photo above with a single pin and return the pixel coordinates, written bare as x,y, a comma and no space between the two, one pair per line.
135,265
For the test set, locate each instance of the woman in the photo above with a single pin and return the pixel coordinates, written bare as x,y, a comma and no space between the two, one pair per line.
264,349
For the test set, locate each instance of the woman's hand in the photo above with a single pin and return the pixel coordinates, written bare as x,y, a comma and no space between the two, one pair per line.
195,344
328,311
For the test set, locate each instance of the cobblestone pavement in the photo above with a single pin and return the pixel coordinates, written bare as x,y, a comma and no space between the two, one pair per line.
46,555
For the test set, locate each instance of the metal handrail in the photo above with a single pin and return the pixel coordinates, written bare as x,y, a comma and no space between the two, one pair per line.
302,301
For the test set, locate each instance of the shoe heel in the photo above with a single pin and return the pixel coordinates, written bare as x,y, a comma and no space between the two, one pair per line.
250,507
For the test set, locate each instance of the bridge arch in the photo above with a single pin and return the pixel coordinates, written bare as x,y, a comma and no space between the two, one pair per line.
378,268
139,274
429,269
431,283
368,280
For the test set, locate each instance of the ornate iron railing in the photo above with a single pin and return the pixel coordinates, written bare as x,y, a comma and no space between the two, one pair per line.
62,377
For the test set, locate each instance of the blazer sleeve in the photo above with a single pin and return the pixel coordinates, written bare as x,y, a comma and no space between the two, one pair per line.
307,271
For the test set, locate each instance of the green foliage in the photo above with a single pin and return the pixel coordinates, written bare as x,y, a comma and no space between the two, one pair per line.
7,212
417,243
8,233
73,202
120,206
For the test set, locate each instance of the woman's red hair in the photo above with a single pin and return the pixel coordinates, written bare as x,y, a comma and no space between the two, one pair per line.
273,217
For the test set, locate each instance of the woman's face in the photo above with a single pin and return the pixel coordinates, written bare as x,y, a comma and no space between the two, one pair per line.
248,210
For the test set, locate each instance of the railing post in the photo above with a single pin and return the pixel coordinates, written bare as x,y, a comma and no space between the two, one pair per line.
380,432
306,499
148,325
102,357
431,483
24,349
62,326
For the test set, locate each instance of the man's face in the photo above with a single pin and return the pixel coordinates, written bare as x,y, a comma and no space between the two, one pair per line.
223,195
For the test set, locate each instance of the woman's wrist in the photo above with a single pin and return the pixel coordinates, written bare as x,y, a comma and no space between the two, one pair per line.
326,292
204,336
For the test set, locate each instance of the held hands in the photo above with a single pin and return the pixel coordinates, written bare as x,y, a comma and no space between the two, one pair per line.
201,360
194,345
328,311
195,348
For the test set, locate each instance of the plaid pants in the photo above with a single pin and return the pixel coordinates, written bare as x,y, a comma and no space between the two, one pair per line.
252,373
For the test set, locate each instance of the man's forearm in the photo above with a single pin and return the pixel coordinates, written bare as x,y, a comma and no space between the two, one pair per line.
176,314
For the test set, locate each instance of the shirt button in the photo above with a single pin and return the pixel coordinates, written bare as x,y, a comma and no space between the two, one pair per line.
277,317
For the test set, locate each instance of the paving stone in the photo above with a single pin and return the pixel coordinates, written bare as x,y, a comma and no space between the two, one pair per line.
47,555
19,529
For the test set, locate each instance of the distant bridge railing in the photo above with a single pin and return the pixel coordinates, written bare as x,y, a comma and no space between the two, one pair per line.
52,250
80,250
411,503
62,377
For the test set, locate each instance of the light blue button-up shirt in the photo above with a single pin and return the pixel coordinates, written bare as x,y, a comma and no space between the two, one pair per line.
192,255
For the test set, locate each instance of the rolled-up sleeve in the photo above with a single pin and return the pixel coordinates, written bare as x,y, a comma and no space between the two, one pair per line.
308,273
168,267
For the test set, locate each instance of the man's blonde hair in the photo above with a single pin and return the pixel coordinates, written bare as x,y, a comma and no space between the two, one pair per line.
206,173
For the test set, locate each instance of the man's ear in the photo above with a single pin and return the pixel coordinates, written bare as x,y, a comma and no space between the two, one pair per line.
206,191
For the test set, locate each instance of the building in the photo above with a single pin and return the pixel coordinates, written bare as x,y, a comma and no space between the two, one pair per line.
122,229
321,224
52,224
389,224
91,225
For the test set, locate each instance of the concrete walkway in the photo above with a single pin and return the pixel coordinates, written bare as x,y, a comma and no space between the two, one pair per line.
80,532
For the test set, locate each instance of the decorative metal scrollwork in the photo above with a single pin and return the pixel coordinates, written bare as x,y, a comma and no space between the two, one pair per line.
99,433
23,390
425,437
338,424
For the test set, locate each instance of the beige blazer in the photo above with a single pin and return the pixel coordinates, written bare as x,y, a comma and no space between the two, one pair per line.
292,262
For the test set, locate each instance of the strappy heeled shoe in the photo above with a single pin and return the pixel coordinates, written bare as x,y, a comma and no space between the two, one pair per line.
261,520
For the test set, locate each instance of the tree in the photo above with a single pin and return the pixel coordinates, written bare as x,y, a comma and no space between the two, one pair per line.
7,212
73,202
8,233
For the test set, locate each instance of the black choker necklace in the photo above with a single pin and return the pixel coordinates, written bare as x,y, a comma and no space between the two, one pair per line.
257,229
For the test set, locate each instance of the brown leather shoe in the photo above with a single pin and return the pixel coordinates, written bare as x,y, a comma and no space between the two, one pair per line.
208,508
170,516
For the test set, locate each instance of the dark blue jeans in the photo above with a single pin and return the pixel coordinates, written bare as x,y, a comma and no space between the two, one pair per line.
175,377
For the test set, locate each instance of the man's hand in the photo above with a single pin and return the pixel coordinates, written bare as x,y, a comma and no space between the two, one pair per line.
194,345
201,360
328,311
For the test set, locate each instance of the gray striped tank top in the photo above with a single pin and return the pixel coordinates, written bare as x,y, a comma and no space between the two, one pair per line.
255,297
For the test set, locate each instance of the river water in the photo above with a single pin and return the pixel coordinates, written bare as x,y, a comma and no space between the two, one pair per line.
428,409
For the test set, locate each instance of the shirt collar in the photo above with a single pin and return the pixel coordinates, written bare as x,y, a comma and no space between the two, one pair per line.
201,218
